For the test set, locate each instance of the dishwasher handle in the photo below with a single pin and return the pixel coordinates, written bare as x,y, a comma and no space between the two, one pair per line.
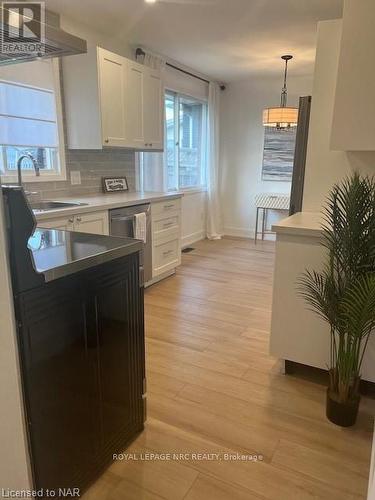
123,219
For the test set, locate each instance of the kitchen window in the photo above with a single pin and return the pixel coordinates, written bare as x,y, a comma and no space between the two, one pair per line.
31,121
182,166
185,141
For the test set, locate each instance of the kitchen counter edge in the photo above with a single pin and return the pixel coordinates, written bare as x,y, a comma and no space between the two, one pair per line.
123,248
99,202
300,224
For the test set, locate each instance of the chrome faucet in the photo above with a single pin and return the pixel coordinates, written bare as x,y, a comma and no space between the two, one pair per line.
19,165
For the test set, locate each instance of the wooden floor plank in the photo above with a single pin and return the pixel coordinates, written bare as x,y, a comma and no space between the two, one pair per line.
208,488
350,477
260,478
169,479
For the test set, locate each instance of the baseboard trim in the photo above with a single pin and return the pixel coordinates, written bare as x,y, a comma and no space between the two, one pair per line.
234,232
160,278
241,232
192,238
320,375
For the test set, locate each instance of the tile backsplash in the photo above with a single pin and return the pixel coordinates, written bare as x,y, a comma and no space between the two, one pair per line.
93,165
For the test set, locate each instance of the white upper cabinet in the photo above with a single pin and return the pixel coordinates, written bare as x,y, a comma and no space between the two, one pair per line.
154,109
353,126
112,82
112,101
135,102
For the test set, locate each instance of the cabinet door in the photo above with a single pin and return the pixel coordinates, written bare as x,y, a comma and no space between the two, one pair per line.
166,255
62,223
153,109
135,105
59,367
112,83
93,223
117,296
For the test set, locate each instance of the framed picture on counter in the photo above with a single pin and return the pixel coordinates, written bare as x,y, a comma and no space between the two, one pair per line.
115,184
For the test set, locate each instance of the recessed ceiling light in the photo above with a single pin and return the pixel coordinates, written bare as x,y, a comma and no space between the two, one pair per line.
150,1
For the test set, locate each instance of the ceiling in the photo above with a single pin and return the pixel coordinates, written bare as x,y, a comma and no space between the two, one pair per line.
225,39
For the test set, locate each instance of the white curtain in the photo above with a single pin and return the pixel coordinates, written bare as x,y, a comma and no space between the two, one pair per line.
153,163
214,217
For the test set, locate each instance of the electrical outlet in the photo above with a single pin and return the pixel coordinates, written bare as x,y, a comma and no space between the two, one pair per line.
75,177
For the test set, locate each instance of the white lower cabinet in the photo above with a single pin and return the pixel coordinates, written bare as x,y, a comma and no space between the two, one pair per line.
166,232
93,223
166,256
166,236
297,333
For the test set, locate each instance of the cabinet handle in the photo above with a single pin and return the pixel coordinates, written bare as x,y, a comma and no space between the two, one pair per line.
106,141
71,220
79,219
167,253
169,224
168,206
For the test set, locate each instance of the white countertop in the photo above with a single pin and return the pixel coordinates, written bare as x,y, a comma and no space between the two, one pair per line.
301,223
106,201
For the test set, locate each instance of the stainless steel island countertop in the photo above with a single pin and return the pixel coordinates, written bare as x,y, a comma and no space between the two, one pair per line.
58,253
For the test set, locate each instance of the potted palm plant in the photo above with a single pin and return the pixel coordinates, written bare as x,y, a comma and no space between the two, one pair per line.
343,293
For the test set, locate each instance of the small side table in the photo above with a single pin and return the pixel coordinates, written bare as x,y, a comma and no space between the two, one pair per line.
265,202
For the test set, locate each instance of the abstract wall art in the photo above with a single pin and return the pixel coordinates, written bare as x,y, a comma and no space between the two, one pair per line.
278,153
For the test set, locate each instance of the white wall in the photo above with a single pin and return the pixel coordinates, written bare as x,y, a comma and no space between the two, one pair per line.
323,166
242,141
14,458
193,217
95,38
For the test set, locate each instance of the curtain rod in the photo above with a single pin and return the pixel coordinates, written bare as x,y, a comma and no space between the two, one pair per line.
141,52
187,72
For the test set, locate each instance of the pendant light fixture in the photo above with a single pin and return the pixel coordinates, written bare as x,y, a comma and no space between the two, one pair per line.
283,116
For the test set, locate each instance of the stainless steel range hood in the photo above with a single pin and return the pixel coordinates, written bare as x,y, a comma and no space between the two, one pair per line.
57,42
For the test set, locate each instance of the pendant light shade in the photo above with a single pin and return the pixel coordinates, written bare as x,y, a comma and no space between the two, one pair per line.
281,116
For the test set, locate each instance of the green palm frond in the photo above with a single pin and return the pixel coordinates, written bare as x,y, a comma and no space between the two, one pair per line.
319,292
358,306
343,294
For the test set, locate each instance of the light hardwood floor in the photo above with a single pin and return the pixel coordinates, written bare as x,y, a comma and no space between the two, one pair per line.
213,388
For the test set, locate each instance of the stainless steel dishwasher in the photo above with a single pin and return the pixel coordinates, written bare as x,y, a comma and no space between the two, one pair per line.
122,223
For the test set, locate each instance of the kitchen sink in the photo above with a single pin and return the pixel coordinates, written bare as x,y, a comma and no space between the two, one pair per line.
45,206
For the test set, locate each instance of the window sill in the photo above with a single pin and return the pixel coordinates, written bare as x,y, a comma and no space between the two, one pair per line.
196,190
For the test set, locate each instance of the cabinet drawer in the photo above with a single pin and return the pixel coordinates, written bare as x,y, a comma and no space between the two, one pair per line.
165,208
166,228
62,223
166,256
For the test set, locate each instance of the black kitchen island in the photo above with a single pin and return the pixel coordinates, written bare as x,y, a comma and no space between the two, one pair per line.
79,310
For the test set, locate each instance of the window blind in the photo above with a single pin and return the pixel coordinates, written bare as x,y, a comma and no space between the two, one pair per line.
28,106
